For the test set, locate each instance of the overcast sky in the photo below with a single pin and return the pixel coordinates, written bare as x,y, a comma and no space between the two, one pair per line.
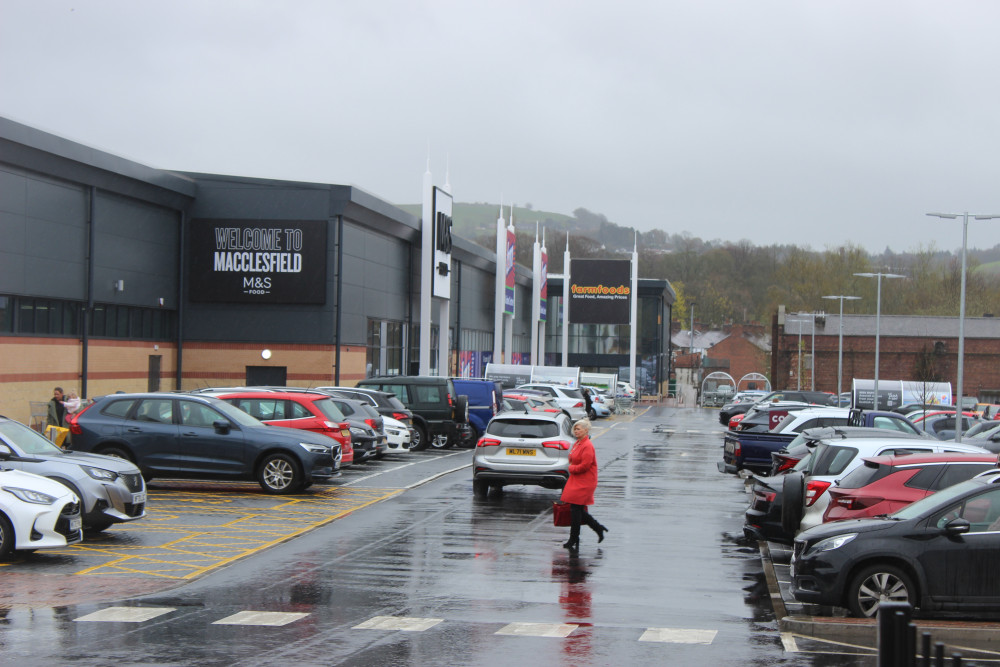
778,121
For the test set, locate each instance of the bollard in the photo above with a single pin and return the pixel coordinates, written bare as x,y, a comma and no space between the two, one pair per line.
925,649
939,654
893,619
956,659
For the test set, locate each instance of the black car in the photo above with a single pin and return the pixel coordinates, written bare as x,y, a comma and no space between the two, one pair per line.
938,553
189,435
730,410
439,413
367,435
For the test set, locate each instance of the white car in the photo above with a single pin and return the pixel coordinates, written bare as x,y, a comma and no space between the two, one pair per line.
397,435
804,489
568,398
36,513
626,390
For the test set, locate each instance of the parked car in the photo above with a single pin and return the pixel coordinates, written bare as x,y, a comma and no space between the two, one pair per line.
110,490
739,404
385,403
599,406
942,424
36,513
522,448
530,401
938,553
438,410
625,390
884,484
200,436
308,411
763,518
569,399
805,496
484,398
397,435
367,434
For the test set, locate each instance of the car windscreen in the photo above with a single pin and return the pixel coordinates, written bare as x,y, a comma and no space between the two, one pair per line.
329,410
31,442
892,424
832,459
522,428
395,403
939,499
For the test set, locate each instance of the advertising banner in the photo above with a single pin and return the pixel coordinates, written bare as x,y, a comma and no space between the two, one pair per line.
543,294
508,297
600,291
894,393
257,262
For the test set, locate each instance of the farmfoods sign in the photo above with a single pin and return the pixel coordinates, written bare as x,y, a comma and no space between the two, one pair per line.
259,262
600,291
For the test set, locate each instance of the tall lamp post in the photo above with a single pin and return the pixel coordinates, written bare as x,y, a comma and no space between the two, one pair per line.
798,354
961,312
840,342
878,316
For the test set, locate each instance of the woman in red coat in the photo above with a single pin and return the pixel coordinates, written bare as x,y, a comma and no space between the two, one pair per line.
579,489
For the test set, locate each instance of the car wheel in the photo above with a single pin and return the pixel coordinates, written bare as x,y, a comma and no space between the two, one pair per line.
419,441
116,452
440,442
462,409
480,489
279,473
6,537
792,496
591,414
469,437
876,584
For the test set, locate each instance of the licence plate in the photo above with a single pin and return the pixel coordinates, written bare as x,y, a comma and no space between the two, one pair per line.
512,451
138,498
730,448
75,524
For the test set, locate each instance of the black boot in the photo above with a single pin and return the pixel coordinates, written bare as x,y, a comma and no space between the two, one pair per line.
572,544
600,530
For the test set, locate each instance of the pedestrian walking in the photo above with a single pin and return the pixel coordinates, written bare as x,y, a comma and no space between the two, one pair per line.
57,411
579,489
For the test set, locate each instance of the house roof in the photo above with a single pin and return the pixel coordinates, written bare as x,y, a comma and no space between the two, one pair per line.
903,326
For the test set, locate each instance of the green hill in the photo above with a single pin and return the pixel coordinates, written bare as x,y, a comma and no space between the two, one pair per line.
474,220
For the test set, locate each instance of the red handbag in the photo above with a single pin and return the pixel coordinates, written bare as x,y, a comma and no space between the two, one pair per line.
560,514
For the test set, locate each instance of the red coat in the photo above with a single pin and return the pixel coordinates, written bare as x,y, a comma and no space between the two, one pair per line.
579,489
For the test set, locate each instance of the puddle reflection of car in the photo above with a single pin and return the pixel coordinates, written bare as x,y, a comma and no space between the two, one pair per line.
529,448
36,513
111,490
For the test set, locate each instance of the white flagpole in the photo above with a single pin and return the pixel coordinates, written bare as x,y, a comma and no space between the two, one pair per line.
633,316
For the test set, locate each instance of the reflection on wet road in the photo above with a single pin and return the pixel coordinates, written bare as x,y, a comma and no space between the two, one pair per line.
432,576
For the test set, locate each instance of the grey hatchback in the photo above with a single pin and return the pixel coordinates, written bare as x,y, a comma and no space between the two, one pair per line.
523,448
111,490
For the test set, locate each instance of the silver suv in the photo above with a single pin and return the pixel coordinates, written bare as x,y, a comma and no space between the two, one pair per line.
523,448
111,490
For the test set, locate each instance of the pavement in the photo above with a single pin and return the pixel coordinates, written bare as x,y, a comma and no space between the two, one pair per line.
973,639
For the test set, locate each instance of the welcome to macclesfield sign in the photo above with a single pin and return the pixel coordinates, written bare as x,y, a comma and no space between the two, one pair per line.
600,291
258,262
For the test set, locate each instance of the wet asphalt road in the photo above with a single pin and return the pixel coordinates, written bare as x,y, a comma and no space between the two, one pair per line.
431,576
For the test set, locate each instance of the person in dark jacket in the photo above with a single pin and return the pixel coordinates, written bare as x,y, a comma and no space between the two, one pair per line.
579,489
57,411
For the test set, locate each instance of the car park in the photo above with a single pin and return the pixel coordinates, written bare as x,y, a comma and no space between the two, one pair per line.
884,484
804,489
938,553
522,448
484,397
438,411
385,403
941,425
200,436
568,398
36,513
111,490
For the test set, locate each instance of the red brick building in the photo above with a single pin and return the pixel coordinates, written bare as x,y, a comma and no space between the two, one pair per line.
910,348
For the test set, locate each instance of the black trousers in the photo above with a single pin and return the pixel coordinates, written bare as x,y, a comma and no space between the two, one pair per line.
578,514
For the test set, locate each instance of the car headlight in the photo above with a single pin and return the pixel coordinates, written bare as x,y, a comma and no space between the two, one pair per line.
100,474
315,449
29,496
831,543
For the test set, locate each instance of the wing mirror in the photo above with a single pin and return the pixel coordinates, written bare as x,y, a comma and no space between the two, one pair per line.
221,426
5,451
957,527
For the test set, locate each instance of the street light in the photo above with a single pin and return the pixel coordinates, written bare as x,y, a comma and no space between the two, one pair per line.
840,343
961,312
878,316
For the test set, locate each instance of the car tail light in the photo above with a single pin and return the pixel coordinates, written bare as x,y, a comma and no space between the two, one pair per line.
74,428
400,416
552,410
785,462
815,489
579,404
371,421
737,449
488,442
556,444
766,496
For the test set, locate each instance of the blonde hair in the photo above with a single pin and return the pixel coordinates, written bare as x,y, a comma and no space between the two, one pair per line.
584,424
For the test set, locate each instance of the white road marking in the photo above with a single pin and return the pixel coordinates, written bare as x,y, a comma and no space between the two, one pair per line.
407,465
272,618
398,623
678,636
788,641
538,629
125,614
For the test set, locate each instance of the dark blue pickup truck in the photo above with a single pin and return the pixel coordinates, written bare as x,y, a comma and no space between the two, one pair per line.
752,450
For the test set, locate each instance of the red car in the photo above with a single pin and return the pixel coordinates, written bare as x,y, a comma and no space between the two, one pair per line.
885,484
307,411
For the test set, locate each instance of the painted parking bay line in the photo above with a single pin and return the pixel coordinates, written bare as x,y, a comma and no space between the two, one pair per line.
125,614
271,618
200,536
537,629
407,624
678,636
